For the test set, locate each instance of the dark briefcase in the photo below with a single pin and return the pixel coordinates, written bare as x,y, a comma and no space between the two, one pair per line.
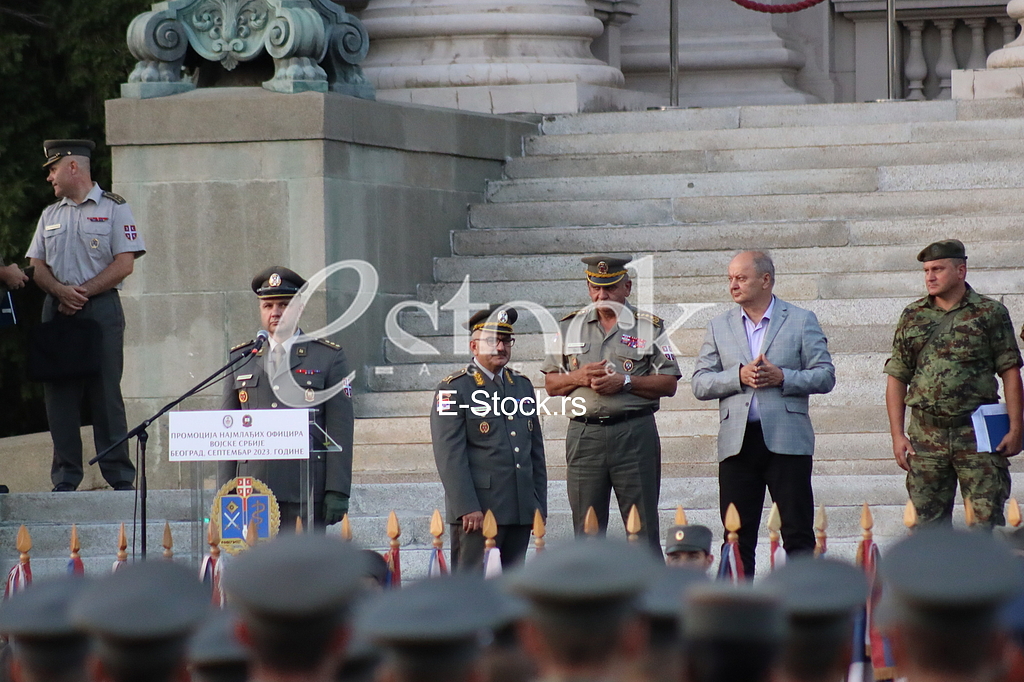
64,348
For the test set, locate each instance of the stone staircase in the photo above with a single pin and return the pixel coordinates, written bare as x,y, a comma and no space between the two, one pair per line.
844,196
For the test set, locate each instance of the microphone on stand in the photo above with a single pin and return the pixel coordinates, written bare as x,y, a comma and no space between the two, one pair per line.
262,336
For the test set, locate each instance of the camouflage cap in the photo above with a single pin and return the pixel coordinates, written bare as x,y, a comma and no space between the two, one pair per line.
497,319
606,270
949,248
277,281
55,150
688,539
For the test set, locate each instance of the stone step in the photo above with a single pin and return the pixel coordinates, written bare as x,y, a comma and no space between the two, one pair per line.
826,135
771,117
902,178
852,312
747,160
625,187
694,210
913,232
841,339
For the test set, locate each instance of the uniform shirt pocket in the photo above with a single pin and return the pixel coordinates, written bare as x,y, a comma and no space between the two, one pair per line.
316,381
246,381
95,237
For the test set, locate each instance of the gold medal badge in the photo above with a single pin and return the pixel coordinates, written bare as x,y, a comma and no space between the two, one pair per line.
240,503
310,395
243,396
484,427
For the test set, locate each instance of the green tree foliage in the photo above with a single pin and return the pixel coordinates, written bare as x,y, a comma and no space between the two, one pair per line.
59,61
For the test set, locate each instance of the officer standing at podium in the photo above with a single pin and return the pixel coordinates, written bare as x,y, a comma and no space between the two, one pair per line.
259,384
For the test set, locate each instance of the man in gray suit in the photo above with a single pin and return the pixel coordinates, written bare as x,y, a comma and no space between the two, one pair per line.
488,446
761,361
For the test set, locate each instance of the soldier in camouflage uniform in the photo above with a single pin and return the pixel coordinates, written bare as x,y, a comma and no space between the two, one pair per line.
947,349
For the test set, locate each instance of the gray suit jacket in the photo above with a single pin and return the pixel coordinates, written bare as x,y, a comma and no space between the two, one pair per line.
794,342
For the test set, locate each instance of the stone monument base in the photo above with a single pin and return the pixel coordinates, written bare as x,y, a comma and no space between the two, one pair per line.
537,98
988,83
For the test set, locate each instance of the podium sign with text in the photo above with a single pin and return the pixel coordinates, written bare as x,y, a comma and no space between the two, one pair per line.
214,435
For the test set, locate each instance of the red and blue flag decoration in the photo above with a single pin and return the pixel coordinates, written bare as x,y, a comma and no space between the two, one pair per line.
210,573
75,565
730,566
20,575
872,652
437,567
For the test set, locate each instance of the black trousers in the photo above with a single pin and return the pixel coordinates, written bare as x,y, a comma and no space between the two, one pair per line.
63,400
742,480
468,548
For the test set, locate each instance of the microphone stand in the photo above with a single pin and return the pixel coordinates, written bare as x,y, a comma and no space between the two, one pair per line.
143,436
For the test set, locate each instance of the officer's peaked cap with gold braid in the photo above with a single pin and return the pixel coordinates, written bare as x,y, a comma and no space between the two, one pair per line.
606,270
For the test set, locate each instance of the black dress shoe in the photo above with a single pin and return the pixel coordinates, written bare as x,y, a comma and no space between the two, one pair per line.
123,485
63,488
4,490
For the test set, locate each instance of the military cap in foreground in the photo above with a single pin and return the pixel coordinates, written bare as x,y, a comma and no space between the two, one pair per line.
214,652
46,644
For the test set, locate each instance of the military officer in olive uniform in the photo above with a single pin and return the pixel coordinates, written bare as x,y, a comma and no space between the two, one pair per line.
947,351
615,365
84,246
315,365
488,446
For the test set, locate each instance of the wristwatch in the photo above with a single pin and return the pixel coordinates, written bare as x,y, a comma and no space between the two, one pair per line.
627,383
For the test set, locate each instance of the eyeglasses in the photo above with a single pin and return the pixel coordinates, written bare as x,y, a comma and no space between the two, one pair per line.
493,341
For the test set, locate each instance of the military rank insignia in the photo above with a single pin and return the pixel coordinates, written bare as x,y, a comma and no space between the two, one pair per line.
627,365
240,503
310,395
243,396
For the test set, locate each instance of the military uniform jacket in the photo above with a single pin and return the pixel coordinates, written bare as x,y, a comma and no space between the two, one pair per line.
315,365
955,373
637,350
488,460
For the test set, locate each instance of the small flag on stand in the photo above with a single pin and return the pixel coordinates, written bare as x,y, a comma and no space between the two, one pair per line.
590,526
438,566
212,569
910,516
633,525
346,528
1013,516
776,554
872,659
492,555
539,530
20,576
168,543
730,567
394,576
820,526
122,551
75,565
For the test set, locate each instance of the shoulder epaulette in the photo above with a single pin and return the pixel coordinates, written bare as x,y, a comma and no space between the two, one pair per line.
452,377
329,344
116,198
650,317
572,314
243,345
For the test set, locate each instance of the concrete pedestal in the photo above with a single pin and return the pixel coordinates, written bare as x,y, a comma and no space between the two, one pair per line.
988,83
226,181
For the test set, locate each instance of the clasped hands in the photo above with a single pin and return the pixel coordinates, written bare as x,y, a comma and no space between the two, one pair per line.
761,373
600,377
72,299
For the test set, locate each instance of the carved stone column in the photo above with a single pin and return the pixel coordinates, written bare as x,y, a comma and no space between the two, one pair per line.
1012,54
298,35
916,68
614,14
486,55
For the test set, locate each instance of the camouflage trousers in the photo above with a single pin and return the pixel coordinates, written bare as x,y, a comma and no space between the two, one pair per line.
945,456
